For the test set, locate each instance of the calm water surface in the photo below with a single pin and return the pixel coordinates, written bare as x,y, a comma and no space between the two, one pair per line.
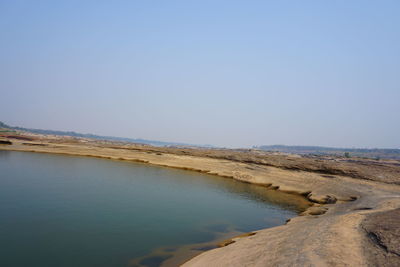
76,211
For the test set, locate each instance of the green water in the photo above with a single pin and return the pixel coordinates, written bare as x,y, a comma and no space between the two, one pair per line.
77,211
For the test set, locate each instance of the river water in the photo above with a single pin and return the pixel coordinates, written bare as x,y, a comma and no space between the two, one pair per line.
78,211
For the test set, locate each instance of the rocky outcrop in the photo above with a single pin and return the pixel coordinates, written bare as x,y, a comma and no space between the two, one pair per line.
322,199
383,230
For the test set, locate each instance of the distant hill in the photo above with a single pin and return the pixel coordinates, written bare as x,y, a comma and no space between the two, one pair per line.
391,153
100,137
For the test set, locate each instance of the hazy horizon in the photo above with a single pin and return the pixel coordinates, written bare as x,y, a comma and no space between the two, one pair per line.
199,144
231,74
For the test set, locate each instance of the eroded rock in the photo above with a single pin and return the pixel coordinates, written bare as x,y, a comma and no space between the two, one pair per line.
383,231
315,211
322,199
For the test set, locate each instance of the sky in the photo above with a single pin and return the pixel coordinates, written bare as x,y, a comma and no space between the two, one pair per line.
226,73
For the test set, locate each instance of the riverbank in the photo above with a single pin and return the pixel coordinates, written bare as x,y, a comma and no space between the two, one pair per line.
335,231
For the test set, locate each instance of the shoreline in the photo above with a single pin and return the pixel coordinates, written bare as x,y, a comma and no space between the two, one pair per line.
330,233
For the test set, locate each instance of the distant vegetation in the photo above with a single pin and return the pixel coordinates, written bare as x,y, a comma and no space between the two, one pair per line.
111,138
3,125
375,153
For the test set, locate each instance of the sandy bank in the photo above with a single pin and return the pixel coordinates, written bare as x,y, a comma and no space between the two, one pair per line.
340,235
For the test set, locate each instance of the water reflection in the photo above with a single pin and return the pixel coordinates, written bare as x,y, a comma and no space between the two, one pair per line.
251,192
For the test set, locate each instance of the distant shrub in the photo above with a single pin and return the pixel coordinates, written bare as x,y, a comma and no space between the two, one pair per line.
346,154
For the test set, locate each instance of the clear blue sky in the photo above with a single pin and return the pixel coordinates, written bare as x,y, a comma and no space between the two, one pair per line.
229,73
